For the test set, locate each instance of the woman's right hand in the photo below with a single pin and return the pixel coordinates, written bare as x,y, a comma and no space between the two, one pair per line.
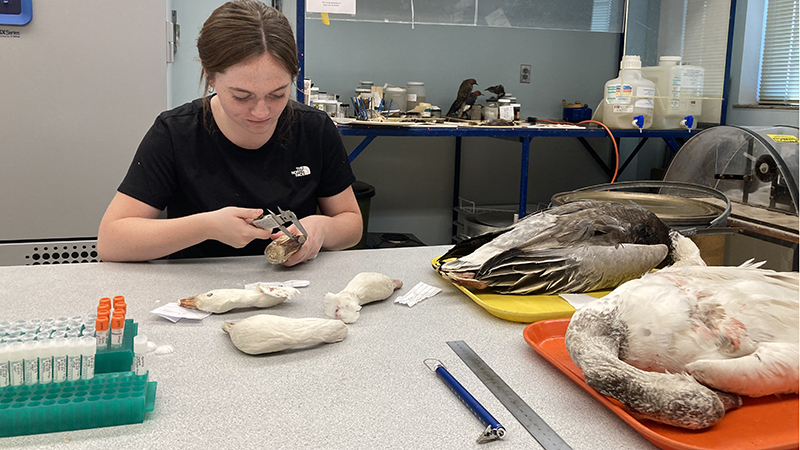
233,226
131,230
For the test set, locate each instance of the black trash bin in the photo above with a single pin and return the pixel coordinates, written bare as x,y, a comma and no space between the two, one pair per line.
364,192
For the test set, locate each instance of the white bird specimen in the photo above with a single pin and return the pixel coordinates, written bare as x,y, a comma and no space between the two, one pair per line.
265,333
223,300
581,246
364,288
661,343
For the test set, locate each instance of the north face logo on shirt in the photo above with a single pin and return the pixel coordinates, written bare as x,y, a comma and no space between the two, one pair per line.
301,171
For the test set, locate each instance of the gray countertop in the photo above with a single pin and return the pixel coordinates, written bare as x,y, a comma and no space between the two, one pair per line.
370,390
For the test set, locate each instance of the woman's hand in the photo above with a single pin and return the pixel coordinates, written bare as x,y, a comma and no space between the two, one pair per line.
233,226
316,227
338,227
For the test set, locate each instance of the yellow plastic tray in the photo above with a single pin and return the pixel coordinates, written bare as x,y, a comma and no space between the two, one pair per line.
520,308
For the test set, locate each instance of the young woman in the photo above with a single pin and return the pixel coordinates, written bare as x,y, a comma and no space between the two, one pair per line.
217,163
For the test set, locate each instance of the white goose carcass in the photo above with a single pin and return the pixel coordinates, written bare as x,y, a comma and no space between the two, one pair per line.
581,246
678,346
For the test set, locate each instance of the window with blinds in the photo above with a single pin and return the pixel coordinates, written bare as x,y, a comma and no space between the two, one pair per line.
705,41
780,57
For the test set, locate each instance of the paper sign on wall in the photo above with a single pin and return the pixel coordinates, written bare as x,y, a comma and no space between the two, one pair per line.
331,6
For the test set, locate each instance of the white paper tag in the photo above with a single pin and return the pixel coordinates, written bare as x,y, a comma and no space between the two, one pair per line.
289,283
577,300
507,112
417,294
331,6
174,312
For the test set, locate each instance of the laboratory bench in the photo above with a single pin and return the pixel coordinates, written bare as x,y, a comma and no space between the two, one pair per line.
371,390
523,133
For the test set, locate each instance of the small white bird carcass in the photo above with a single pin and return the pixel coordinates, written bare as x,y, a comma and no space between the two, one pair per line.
678,346
364,288
220,301
266,333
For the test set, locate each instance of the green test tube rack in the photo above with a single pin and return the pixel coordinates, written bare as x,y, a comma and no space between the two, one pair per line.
111,360
114,396
105,400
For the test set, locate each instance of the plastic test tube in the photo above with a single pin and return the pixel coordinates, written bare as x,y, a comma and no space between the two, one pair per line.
139,365
73,358
101,332
30,362
4,353
15,371
118,299
46,361
117,330
88,350
60,359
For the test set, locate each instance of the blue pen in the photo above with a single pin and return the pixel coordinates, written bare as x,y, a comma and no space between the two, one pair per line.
493,429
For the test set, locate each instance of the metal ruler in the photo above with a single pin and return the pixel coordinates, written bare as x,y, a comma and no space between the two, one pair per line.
537,427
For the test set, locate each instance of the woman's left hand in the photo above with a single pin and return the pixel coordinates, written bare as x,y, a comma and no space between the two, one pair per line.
315,226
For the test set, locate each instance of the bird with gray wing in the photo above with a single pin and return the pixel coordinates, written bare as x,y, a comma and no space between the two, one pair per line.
580,246
463,93
497,90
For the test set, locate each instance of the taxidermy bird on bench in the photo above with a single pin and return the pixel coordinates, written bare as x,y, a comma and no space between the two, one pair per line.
468,104
464,91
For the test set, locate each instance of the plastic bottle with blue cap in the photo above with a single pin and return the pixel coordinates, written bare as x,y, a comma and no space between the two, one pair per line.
628,99
679,93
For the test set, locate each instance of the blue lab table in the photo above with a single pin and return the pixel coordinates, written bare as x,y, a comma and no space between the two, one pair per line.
673,138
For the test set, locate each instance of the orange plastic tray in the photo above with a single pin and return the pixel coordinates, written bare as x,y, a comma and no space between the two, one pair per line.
766,423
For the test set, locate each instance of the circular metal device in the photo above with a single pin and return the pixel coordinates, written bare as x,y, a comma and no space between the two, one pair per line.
683,208
753,166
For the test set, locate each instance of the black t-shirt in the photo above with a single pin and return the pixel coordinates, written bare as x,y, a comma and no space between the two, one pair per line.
183,167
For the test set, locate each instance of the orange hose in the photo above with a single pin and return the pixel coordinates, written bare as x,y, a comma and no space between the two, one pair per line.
616,148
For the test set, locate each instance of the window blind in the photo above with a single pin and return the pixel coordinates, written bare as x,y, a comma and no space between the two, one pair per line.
780,60
705,41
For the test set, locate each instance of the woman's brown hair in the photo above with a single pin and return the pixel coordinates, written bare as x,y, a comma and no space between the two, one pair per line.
239,30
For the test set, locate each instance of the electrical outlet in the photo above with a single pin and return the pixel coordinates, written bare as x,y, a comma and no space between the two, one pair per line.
525,73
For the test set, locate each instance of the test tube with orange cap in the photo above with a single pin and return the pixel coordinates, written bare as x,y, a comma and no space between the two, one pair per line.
117,329
120,306
101,331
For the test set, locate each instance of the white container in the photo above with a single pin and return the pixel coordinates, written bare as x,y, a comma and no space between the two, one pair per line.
30,365
679,92
46,361
628,99
397,97
415,94
491,112
506,109
139,365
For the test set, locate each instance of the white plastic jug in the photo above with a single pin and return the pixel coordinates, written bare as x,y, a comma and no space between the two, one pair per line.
628,99
679,91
